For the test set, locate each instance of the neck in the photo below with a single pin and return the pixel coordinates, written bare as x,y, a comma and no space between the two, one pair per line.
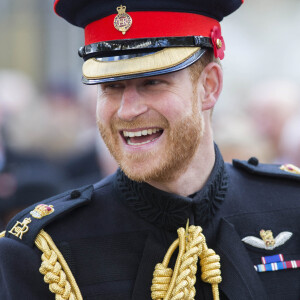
194,177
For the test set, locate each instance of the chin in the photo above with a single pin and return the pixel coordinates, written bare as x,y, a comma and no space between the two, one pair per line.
148,172
138,172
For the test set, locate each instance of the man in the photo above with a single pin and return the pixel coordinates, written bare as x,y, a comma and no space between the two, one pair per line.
159,79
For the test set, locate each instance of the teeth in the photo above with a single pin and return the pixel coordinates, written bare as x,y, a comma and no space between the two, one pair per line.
140,133
137,144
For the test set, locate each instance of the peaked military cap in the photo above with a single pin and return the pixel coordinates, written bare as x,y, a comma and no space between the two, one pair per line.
130,39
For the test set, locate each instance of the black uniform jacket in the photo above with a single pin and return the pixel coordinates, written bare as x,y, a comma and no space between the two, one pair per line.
112,235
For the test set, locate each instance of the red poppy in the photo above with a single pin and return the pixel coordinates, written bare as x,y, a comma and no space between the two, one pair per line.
218,42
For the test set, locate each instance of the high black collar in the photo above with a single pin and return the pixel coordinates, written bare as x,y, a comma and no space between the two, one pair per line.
170,211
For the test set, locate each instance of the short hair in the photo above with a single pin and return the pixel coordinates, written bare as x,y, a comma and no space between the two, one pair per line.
196,68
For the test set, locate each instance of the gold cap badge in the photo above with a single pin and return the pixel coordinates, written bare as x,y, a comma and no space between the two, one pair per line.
42,210
122,21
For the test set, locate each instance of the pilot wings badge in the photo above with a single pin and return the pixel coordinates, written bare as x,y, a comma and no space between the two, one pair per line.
267,241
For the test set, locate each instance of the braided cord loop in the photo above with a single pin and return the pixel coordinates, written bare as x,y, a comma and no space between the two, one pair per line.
180,284
210,267
55,270
161,281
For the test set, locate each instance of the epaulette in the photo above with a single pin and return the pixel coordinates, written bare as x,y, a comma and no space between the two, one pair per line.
271,170
26,225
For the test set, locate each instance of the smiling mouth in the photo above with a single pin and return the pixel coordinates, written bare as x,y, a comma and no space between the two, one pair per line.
142,137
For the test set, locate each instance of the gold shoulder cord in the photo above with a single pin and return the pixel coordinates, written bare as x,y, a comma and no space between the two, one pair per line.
166,284
169,285
56,270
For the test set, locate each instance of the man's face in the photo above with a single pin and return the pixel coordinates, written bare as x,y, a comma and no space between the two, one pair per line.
152,126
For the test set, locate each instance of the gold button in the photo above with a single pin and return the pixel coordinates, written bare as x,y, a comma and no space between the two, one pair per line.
219,43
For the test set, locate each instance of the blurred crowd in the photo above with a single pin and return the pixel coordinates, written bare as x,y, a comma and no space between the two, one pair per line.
265,124
49,141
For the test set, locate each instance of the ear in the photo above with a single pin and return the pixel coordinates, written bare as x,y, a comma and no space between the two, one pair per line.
211,79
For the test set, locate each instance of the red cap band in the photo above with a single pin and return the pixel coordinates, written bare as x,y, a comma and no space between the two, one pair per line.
150,24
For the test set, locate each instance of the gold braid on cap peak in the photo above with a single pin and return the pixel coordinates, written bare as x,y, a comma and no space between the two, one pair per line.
169,285
2,234
56,270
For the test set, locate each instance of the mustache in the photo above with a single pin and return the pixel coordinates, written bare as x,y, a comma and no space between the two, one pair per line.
139,122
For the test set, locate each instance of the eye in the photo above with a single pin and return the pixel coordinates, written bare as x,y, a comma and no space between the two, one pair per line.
106,87
152,82
113,85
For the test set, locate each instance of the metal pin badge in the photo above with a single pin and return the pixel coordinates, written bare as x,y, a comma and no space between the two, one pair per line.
42,210
122,21
268,242
20,228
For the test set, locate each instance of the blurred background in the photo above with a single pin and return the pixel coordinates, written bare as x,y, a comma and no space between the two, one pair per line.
48,136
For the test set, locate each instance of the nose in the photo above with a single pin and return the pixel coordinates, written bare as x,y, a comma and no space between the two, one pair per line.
132,104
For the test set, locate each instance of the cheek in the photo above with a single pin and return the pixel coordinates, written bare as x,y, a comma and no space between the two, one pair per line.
105,111
175,107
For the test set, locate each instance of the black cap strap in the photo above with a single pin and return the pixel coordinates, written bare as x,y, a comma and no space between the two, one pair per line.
103,49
